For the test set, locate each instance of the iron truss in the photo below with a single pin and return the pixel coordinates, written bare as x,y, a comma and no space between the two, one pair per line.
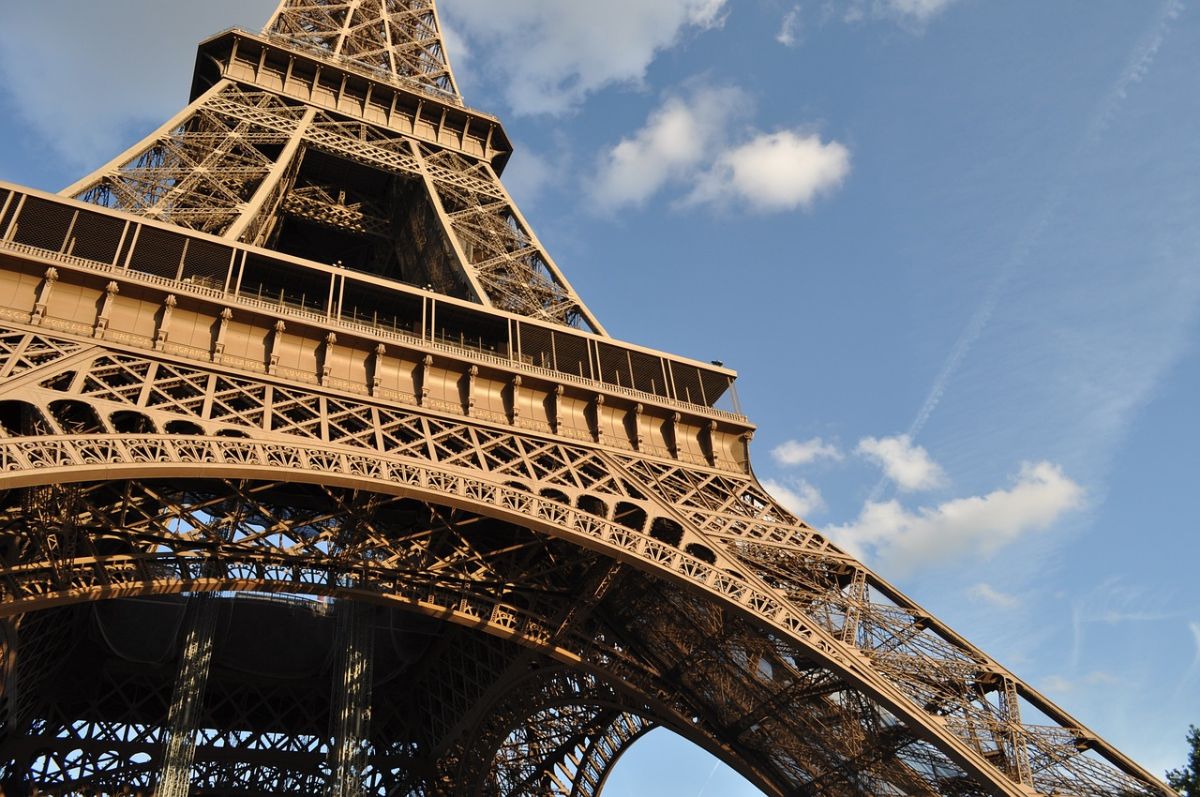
246,548
756,638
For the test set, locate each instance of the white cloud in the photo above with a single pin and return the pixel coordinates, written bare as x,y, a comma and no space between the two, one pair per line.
675,139
794,452
791,28
901,540
797,496
920,10
1094,679
906,464
549,55
905,11
986,593
784,170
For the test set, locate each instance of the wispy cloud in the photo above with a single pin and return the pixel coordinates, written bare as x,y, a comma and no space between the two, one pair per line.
986,593
779,171
902,540
792,453
1115,602
909,12
791,28
1194,668
547,56
1060,684
1138,66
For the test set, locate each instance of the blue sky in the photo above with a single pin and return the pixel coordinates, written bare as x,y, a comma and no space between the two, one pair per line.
950,245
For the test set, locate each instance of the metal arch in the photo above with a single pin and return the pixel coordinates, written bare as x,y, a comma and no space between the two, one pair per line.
112,456
726,517
504,620
579,763
736,616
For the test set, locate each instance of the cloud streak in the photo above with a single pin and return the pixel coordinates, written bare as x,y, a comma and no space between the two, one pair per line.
779,171
1137,67
986,593
791,28
670,146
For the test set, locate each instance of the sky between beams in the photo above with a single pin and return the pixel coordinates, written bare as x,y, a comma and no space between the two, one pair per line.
951,245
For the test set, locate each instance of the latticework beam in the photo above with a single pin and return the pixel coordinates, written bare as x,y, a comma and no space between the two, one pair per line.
299,345
179,750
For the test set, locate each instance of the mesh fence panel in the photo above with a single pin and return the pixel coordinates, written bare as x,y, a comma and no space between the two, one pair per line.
43,224
614,365
157,252
648,373
571,355
537,346
96,237
207,263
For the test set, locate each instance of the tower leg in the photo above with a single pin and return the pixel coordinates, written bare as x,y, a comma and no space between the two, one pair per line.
179,749
350,715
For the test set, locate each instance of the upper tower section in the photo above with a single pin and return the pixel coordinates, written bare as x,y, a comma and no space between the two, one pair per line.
337,135
399,40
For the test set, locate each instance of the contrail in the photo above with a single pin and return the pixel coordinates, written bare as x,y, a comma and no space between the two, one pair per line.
1137,67
708,780
1194,667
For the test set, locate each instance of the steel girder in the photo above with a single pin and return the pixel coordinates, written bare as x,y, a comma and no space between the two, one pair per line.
224,166
801,668
578,582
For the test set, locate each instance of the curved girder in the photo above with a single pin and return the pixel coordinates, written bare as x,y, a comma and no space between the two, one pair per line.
482,609
63,459
553,729
93,575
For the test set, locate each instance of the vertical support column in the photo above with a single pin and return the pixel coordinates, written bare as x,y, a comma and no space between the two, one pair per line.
350,713
856,597
377,368
327,358
423,390
164,326
516,400
472,375
276,346
110,294
8,660
1020,768
43,298
218,352
179,746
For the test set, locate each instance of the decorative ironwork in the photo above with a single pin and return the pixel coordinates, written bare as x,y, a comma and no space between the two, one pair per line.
298,355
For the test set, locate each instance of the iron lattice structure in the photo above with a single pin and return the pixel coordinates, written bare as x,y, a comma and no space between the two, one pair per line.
318,477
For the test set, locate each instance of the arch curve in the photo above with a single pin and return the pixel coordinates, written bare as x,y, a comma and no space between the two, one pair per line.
722,600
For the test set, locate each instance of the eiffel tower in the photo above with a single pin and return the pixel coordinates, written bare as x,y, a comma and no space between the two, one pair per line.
319,478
